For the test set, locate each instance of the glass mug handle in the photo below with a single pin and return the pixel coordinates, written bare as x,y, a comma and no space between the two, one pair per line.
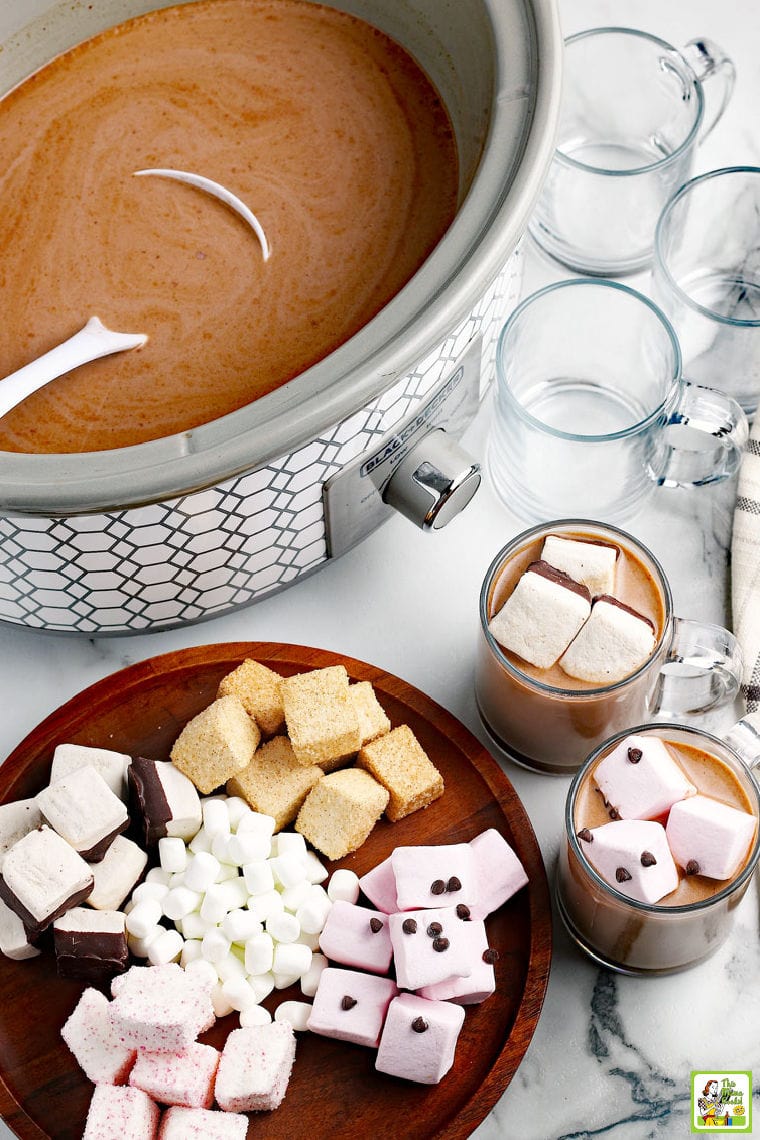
703,669
744,738
710,63
719,420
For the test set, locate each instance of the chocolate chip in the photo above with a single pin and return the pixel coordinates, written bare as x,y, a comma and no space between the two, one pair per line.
419,1025
440,944
692,867
647,859
614,813
463,912
453,884
348,1002
375,925
585,835
622,875
634,755
409,926
434,929
490,956
437,887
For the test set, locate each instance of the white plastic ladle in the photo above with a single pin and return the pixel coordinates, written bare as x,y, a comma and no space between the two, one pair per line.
90,343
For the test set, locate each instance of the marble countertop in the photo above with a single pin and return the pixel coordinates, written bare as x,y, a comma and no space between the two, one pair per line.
611,1056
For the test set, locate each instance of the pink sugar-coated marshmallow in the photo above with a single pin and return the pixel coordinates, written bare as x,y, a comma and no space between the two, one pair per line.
640,779
91,1037
254,1069
117,1113
499,874
357,936
481,982
351,1006
185,1079
379,885
419,1039
422,954
160,1008
708,837
633,856
202,1124
441,875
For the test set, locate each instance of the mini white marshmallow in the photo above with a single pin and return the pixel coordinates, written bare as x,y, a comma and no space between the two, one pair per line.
227,871
220,847
248,847
258,877
266,904
149,890
158,875
310,940
236,809
239,993
283,927
613,643
191,952
194,926
172,854
201,841
216,817
254,1015
259,954
230,968
312,914
310,980
202,971
316,872
201,871
541,616
288,868
641,779
166,948
214,905
144,917
291,959
256,821
293,897
262,984
215,945
284,981
591,563
343,885
234,891
181,901
710,838
295,1013
219,1000
240,925
633,856
140,946
290,843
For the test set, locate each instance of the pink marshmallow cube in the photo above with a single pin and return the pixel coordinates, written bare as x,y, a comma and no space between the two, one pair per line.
351,1006
160,1008
430,946
91,1037
201,1124
499,874
633,856
185,1079
482,981
254,1069
640,779
357,936
419,1039
708,837
379,885
441,875
121,1114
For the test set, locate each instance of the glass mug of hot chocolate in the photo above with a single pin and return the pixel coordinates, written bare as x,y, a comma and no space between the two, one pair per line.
661,840
577,631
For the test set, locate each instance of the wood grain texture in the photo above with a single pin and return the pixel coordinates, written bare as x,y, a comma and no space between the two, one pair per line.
335,1091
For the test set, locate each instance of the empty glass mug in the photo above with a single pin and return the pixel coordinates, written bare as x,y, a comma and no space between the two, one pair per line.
706,278
645,939
633,110
591,410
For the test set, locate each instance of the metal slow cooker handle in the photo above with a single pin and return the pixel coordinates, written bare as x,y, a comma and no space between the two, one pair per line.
433,482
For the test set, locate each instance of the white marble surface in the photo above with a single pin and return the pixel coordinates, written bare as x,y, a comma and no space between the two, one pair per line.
611,1056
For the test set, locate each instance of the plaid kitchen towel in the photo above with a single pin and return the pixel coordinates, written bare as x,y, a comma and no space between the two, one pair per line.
745,572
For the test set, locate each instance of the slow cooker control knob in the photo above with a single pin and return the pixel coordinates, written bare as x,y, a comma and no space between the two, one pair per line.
433,482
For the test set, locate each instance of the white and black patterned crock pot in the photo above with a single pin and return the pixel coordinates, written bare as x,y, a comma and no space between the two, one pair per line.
184,528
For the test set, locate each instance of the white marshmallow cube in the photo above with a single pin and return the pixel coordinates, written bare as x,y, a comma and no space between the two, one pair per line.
541,616
591,563
641,779
633,856
710,838
613,643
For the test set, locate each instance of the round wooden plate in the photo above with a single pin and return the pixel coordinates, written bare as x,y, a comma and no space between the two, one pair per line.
334,1091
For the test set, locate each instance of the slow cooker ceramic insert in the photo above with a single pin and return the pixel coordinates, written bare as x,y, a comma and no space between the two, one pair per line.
183,528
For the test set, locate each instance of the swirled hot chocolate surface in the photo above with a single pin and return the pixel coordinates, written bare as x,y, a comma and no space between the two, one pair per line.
324,127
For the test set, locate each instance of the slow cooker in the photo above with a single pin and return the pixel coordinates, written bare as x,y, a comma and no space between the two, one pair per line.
183,528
